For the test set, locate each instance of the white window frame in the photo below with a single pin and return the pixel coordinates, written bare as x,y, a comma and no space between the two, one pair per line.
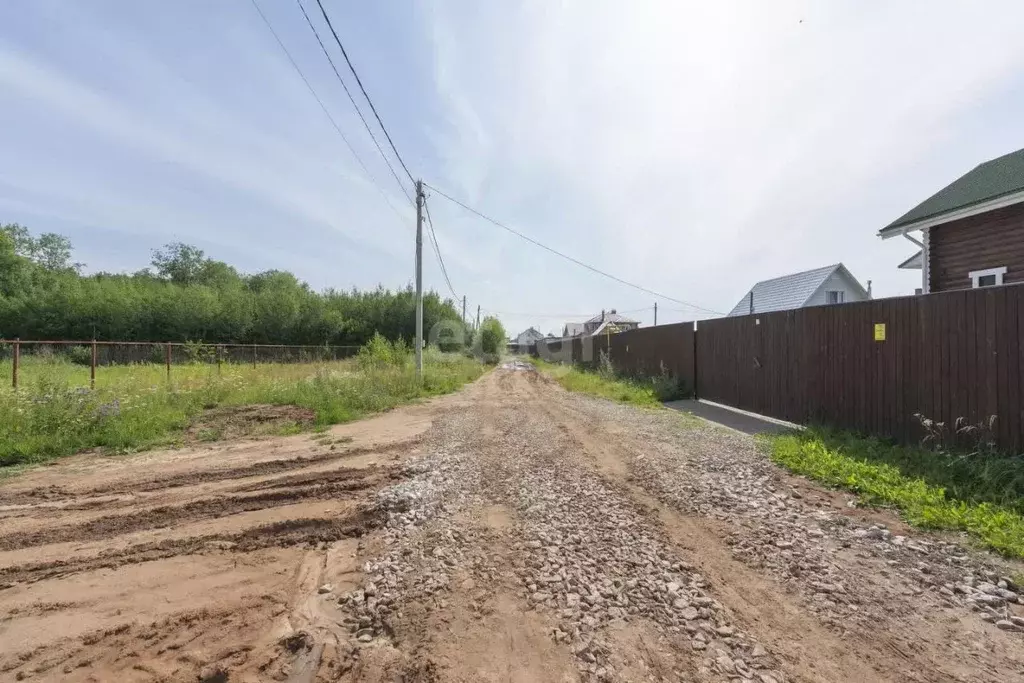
840,296
976,275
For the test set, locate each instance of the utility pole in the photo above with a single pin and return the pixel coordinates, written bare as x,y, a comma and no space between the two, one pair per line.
655,313
478,316
419,279
463,309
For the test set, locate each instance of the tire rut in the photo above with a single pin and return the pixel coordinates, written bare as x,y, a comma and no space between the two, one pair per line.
303,531
312,487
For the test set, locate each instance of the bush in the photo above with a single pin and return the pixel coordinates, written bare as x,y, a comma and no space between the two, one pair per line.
79,355
158,354
491,337
381,353
198,352
667,387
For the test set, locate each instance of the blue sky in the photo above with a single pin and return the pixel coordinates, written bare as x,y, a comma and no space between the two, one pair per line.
691,147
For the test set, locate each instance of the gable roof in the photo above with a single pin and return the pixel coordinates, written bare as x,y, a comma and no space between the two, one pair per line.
989,181
612,317
530,332
790,291
915,262
572,329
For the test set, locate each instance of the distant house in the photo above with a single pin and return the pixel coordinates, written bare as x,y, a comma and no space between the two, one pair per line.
527,337
572,329
601,322
822,286
971,231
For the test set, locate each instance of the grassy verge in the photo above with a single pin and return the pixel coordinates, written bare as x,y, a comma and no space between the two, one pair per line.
980,494
134,407
600,384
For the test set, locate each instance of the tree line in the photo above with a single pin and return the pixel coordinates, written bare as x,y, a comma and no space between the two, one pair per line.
185,296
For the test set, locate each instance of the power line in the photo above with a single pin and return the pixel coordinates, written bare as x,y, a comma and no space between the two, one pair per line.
327,113
365,94
570,258
553,316
351,99
437,250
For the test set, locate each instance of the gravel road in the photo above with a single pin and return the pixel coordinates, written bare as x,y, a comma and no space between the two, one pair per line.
509,532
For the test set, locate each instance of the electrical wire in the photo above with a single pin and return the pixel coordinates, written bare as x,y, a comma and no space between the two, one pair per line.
351,99
560,316
365,94
437,250
327,113
570,258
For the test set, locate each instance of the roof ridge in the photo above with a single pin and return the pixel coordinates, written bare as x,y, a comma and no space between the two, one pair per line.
830,268
988,180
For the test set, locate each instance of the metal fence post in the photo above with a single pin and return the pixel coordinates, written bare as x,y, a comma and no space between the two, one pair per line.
254,356
220,360
16,359
92,367
168,360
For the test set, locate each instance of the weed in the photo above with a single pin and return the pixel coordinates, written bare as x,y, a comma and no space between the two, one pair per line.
209,435
972,439
979,495
288,429
601,383
55,414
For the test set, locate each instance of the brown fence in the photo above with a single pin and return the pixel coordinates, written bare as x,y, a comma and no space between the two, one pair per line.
871,366
867,366
96,354
649,351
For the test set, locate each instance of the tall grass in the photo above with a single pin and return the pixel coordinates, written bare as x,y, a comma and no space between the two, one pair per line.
980,494
603,384
133,407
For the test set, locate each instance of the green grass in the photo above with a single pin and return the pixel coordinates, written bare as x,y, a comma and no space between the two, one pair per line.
978,494
597,384
133,407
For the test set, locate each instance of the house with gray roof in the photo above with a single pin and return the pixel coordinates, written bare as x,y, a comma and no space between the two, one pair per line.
819,287
572,329
602,321
971,232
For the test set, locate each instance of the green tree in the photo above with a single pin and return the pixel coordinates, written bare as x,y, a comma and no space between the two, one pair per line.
491,337
188,297
14,268
179,262
53,252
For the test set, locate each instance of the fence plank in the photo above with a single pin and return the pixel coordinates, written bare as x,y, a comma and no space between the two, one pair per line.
946,355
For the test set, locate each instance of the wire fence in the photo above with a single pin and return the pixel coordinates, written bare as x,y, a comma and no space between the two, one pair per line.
97,354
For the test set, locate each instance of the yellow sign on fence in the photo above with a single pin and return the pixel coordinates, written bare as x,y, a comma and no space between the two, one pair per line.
879,331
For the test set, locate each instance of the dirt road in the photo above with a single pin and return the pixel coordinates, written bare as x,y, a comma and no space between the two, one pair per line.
510,532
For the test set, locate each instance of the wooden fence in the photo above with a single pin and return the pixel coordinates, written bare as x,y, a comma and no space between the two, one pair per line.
95,353
868,366
647,351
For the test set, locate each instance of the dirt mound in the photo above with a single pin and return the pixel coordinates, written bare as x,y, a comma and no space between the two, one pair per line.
234,422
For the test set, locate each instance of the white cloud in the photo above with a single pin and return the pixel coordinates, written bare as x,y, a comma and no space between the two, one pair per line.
300,177
699,146
691,147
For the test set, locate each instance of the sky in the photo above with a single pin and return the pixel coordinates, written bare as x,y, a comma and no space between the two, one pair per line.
691,148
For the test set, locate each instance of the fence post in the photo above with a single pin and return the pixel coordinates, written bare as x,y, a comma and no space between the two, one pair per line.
16,358
92,367
220,360
696,363
167,356
254,356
